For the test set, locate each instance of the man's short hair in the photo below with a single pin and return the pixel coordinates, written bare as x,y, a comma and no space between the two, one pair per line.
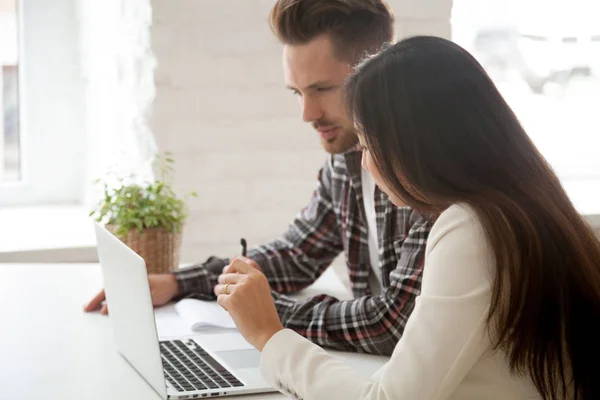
355,27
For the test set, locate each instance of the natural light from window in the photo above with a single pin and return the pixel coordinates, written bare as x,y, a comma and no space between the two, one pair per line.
544,56
10,168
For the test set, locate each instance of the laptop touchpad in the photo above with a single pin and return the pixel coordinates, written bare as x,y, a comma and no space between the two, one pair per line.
241,358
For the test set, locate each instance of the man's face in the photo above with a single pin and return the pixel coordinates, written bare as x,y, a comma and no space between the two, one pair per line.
314,74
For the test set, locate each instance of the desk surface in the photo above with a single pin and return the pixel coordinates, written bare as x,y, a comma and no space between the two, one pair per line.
50,348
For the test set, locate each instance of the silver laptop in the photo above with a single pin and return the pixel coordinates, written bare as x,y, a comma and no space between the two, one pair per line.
179,368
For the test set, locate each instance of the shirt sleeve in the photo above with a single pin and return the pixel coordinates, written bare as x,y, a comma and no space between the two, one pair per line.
369,324
293,261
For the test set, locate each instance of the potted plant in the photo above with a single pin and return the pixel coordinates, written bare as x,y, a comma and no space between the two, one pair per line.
148,217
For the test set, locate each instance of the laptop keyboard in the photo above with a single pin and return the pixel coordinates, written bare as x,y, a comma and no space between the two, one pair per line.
189,369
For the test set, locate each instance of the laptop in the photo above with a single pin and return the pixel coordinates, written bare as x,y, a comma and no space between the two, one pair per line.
178,368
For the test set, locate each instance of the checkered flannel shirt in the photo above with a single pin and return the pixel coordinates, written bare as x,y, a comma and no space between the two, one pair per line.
335,221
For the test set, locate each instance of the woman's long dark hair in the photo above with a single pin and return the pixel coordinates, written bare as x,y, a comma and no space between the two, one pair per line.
440,133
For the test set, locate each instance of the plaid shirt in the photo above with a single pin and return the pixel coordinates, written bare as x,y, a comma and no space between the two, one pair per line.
335,221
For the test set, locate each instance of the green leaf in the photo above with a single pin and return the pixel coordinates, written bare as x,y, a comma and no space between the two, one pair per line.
139,206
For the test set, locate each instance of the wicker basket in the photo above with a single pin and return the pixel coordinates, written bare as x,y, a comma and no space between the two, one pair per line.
158,248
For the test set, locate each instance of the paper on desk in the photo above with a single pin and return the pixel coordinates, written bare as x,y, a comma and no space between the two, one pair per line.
198,314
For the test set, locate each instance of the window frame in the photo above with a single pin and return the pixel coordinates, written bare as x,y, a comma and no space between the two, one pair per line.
51,107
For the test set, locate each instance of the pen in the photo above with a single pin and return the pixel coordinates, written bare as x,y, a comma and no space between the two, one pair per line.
244,246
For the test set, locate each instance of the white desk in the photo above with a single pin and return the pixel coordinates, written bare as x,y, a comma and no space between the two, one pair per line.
51,349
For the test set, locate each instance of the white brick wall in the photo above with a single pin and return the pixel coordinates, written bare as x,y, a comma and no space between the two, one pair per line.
235,132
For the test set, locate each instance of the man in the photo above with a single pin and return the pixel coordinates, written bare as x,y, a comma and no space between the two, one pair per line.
383,245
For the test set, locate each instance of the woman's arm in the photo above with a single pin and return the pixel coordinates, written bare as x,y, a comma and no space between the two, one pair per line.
445,335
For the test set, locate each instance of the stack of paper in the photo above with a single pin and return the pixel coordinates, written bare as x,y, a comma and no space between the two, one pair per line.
198,314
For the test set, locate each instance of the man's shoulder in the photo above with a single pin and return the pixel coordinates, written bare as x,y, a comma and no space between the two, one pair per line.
337,174
415,219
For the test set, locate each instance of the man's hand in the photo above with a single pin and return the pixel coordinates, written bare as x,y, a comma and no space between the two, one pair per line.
163,288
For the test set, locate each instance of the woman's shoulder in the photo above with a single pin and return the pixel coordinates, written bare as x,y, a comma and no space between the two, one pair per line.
458,215
459,221
458,258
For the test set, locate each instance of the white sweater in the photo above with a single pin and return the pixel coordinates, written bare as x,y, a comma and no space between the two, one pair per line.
445,352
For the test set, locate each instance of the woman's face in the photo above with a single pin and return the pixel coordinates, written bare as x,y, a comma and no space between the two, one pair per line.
369,165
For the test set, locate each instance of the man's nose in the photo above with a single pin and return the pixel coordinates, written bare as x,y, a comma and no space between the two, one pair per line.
311,111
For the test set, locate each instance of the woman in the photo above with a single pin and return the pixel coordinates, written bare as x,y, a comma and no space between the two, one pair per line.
510,298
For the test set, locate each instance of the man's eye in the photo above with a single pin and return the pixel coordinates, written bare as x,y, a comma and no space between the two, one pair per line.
324,89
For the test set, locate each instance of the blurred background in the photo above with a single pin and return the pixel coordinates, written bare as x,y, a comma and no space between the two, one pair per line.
88,87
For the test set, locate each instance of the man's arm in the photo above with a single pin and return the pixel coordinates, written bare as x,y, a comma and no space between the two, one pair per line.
368,324
291,262
311,243
198,281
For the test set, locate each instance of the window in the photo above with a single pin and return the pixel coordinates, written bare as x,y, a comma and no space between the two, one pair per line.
544,56
10,166
42,129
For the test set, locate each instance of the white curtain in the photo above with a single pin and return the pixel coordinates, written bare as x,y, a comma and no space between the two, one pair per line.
118,67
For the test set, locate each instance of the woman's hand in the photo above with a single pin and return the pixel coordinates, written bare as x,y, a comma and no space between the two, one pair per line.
245,293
